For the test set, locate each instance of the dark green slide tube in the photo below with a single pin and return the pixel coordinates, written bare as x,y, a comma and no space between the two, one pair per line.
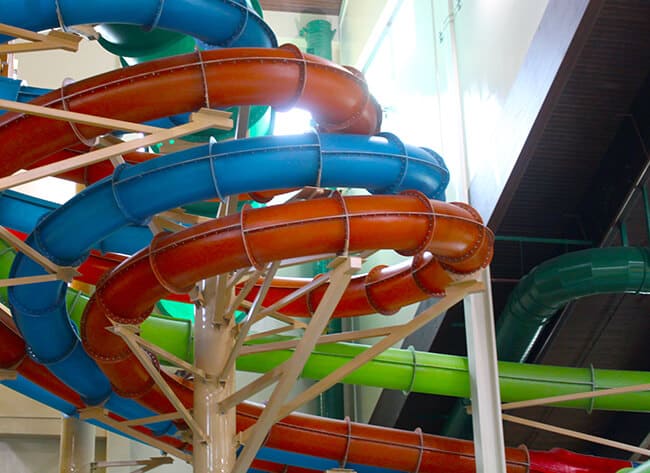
546,289
556,282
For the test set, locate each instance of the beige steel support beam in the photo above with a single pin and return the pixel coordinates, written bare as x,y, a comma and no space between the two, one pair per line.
251,317
201,120
268,333
214,338
251,388
574,397
341,271
130,339
121,330
297,294
145,465
8,375
243,292
65,273
163,223
75,117
575,434
179,215
455,293
38,42
76,446
99,414
152,419
329,338
276,315
28,280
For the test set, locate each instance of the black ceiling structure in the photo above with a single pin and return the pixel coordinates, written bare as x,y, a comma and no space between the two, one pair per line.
580,178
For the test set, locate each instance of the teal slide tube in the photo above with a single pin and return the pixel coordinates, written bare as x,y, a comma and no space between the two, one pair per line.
546,289
556,282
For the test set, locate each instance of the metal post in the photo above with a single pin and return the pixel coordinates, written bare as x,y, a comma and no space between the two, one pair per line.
214,338
77,447
489,446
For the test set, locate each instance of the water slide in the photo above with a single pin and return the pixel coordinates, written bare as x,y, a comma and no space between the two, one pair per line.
395,369
360,120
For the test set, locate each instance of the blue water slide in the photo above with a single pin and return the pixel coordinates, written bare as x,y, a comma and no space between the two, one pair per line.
31,390
134,193
223,23
22,212
15,90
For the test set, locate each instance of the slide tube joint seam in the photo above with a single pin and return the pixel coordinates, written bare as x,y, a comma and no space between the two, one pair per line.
115,183
301,61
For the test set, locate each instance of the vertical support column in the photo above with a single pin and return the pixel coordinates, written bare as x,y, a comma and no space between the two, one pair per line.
487,423
213,341
484,380
77,447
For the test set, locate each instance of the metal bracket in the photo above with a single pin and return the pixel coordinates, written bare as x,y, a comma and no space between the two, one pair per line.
38,42
8,375
146,465
136,344
98,413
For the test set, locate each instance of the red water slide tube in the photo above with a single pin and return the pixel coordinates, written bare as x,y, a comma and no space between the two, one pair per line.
13,355
283,77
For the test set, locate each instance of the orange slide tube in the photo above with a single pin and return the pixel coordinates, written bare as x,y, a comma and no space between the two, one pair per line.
282,77
449,239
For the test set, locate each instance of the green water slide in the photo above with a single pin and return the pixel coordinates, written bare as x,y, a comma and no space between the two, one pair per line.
405,370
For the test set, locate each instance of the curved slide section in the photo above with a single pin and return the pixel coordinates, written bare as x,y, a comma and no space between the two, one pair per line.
404,370
193,175
282,77
558,281
175,262
12,89
453,236
546,289
226,23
